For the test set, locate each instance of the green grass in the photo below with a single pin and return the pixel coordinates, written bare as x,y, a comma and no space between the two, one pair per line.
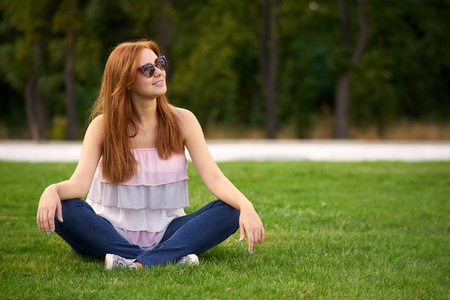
368,230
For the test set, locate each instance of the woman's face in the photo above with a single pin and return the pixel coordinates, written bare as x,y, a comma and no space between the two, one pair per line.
149,88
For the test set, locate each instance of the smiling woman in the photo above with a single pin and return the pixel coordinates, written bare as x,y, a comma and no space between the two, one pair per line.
137,182
152,84
129,100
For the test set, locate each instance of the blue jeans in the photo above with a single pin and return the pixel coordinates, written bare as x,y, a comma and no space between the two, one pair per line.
88,233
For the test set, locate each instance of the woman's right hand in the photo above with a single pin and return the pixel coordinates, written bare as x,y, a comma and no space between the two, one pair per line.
48,205
79,183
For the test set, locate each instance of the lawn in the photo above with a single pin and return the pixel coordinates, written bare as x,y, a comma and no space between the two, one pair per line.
363,230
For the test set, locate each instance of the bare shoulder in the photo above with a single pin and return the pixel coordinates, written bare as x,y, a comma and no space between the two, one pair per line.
97,121
188,119
191,127
186,116
95,129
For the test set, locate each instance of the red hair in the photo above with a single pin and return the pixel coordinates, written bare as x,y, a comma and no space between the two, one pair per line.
114,102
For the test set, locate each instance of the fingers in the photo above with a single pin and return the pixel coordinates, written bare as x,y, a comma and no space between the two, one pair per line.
250,224
46,219
255,236
242,231
51,220
49,205
59,213
46,222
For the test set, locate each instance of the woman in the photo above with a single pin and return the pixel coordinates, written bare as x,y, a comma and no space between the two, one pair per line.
133,166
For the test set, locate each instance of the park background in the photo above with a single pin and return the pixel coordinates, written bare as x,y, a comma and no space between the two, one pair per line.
278,68
354,69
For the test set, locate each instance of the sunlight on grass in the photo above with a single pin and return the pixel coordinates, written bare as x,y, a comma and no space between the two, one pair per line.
377,230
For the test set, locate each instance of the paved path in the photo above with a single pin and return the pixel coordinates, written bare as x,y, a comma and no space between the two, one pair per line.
226,150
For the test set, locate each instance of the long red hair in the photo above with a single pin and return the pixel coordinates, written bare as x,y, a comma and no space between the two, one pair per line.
114,102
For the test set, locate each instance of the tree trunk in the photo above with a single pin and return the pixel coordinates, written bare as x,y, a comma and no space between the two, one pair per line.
363,33
36,109
69,77
382,116
71,110
341,110
36,106
342,89
166,25
269,63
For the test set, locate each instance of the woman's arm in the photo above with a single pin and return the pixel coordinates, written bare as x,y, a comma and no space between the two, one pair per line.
79,183
217,183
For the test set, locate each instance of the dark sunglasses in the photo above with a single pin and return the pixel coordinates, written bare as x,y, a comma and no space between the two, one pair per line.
148,69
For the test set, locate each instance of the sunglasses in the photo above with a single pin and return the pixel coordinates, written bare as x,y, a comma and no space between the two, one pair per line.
148,69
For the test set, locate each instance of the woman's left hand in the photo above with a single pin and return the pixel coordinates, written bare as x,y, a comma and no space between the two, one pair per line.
250,224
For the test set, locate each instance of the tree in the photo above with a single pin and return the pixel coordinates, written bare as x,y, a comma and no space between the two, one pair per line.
166,28
65,19
36,106
268,58
215,60
234,63
343,82
30,20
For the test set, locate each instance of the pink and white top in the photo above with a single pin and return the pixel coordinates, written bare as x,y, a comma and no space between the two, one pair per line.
142,208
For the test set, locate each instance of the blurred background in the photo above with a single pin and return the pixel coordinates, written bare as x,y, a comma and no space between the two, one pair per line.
358,69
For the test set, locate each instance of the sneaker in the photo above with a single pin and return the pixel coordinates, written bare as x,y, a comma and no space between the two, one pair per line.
190,259
113,261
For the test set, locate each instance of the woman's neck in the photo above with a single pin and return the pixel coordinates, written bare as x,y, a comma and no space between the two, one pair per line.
144,112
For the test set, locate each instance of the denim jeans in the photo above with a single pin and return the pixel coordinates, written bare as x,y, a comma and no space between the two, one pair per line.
88,233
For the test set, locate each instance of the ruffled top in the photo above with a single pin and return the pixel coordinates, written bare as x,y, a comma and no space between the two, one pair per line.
141,208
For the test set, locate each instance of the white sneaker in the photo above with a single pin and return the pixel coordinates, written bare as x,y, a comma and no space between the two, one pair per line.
190,259
113,261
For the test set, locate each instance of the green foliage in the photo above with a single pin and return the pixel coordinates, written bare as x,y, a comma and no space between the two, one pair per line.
363,230
59,128
218,74
214,49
